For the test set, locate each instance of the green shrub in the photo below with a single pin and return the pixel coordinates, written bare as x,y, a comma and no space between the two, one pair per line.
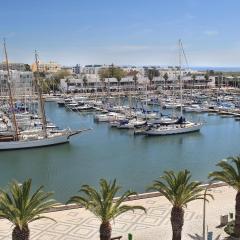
229,229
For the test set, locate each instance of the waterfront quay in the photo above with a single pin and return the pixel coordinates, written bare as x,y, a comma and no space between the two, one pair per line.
78,223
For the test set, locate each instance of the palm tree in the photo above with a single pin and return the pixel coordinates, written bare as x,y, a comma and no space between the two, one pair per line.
118,82
206,76
230,174
135,79
165,76
67,81
21,207
85,81
193,80
150,77
179,191
102,204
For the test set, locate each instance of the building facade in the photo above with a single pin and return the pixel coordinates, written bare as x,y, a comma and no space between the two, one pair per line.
21,83
92,83
77,69
14,66
50,67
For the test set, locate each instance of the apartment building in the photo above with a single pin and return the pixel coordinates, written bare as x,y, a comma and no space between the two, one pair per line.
14,66
50,67
21,83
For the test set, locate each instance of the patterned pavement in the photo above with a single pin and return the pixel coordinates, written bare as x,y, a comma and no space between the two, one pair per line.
80,224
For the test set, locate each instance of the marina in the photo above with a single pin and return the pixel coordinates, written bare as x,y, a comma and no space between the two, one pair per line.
119,120
105,151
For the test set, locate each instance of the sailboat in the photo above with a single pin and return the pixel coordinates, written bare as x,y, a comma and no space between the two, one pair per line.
32,138
181,125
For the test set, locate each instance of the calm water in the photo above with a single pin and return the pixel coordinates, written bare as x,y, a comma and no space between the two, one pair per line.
110,153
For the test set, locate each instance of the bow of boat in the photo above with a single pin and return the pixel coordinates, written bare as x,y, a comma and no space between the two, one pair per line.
76,132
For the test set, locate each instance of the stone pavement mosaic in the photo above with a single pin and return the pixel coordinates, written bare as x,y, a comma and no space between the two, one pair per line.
80,224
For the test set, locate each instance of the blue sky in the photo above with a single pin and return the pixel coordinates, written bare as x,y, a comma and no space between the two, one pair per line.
141,32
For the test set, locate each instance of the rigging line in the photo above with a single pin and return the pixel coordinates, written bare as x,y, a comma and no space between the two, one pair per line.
184,54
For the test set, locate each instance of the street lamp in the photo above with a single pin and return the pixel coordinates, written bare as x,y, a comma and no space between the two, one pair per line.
204,209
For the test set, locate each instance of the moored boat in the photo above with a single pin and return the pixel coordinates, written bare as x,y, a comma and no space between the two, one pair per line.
42,134
172,129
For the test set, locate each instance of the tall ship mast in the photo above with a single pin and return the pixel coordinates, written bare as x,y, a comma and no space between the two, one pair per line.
180,76
40,99
32,136
11,103
181,125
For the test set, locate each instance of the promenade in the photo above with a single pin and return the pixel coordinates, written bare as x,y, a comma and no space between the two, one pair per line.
78,224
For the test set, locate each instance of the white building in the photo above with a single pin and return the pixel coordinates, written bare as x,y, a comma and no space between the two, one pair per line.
77,69
14,66
92,69
51,67
21,83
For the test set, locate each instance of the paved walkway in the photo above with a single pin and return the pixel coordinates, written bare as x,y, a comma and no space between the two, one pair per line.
80,224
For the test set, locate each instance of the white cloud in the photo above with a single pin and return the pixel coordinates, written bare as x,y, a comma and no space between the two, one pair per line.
211,32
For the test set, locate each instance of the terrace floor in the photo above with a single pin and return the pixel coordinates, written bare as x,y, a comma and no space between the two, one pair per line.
80,224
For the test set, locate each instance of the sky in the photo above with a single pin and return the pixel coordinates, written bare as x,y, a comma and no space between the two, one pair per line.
123,32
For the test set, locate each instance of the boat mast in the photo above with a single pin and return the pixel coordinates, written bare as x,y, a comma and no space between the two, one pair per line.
180,78
10,93
40,99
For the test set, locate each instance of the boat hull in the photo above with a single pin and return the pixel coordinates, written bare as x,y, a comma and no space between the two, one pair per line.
162,132
24,144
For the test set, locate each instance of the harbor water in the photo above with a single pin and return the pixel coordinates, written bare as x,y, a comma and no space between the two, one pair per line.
111,153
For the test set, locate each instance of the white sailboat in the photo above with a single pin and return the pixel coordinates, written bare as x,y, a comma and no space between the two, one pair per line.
181,126
172,129
43,138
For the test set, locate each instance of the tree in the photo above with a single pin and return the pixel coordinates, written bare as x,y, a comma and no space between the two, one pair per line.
61,74
135,79
193,80
21,207
103,73
85,81
118,73
27,67
220,79
112,72
133,74
45,86
211,72
151,73
165,76
67,82
150,77
101,203
206,76
230,174
179,191
118,81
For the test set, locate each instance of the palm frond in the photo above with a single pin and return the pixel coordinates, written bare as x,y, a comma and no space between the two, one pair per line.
102,203
229,172
20,207
178,188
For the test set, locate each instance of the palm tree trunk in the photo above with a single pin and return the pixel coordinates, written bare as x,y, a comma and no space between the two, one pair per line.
237,215
18,234
105,231
177,220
